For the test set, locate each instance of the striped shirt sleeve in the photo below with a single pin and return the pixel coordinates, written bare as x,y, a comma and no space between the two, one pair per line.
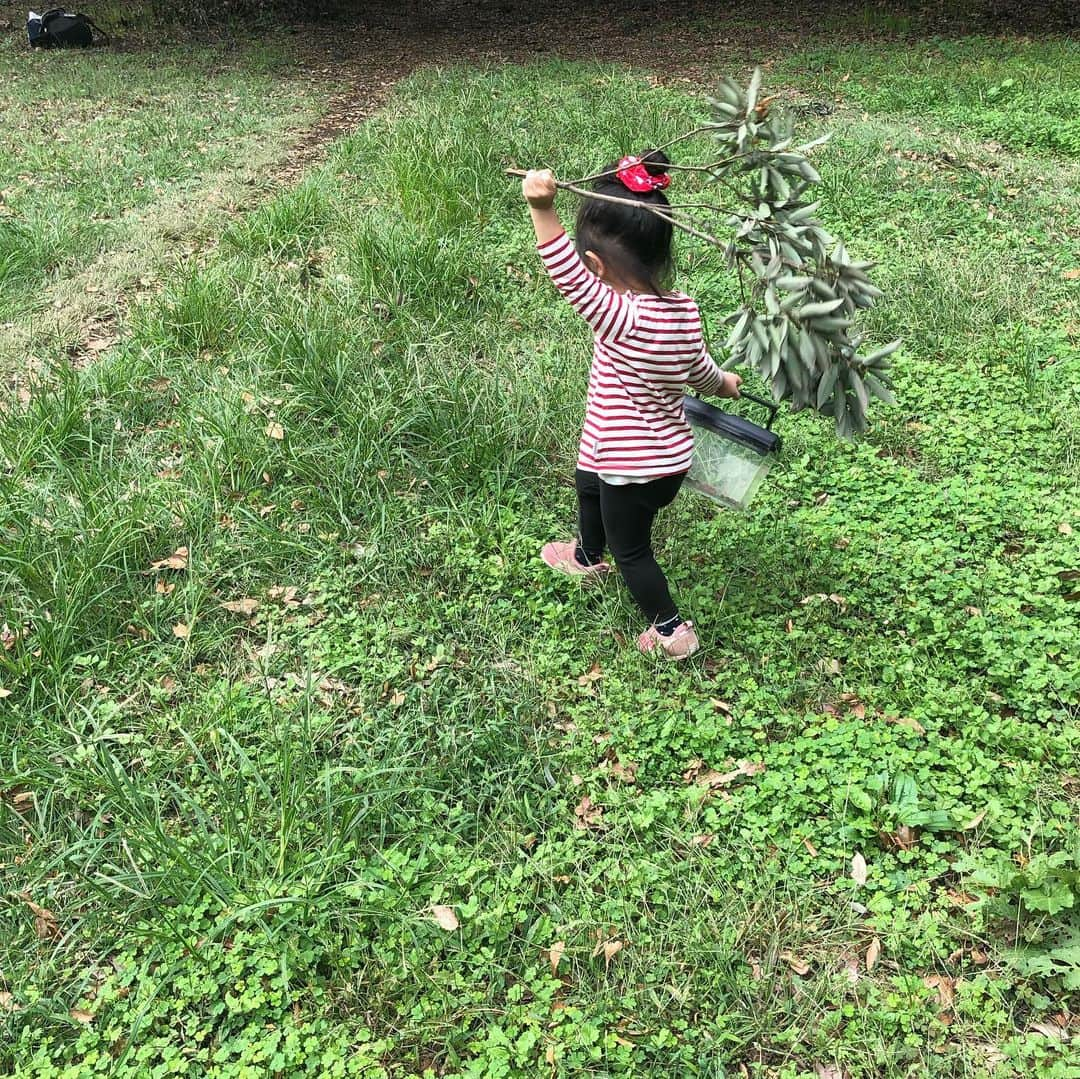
705,375
608,313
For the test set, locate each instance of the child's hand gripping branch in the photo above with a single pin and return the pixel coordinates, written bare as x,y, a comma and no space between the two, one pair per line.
636,445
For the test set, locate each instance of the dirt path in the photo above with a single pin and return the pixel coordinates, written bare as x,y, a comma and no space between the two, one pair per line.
684,42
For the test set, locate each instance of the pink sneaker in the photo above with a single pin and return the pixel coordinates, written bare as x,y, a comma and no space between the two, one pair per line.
560,557
682,644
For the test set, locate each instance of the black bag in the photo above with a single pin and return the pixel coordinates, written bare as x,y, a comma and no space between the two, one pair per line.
59,29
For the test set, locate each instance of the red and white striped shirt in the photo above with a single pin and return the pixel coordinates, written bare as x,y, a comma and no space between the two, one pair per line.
647,350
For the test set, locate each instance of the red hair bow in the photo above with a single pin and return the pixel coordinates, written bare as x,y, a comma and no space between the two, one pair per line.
634,175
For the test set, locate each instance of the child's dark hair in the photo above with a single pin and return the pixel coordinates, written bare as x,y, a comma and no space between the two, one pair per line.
636,243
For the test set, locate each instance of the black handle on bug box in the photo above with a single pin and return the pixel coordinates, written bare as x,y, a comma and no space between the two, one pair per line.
765,403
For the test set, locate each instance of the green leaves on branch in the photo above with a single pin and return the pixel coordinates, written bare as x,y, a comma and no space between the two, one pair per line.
797,326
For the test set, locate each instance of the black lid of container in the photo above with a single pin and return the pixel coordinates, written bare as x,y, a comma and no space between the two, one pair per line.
700,414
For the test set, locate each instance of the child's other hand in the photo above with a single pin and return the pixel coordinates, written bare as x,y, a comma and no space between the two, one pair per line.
731,385
538,187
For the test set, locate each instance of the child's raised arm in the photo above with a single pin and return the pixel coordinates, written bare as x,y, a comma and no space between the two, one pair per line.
608,312
539,189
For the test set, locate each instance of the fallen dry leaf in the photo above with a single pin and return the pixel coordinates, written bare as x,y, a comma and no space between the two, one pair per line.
1050,1030
851,969
593,674
873,953
755,969
905,721
181,630
810,848
904,838
800,966
976,820
163,587
828,1071
587,815
693,770
80,1016
246,606
1072,275
610,949
626,772
275,430
1065,528
177,560
555,953
713,779
4,693
445,917
702,840
858,869
946,989
45,923
7,1002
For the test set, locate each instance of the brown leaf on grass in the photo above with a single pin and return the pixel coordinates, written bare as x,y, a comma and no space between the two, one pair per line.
800,966
587,815
100,344
246,606
702,840
177,560
555,954
275,430
720,706
828,667
851,969
610,948
693,770
397,699
976,820
7,1003
828,1071
80,1016
905,721
858,869
182,630
1065,528
714,780
810,848
873,953
626,772
1050,1030
1072,275
4,693
946,992
904,838
24,799
445,917
45,924
593,674
163,587
755,969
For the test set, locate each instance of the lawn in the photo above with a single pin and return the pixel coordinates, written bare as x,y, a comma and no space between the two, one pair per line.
309,769
116,170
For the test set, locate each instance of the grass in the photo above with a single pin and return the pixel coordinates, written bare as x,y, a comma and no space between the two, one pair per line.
120,168
224,830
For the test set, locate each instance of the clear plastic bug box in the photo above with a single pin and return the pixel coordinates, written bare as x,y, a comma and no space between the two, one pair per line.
732,456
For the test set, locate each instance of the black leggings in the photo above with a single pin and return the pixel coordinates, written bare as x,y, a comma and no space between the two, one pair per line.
620,518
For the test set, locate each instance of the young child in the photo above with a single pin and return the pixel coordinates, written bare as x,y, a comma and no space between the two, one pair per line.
648,347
